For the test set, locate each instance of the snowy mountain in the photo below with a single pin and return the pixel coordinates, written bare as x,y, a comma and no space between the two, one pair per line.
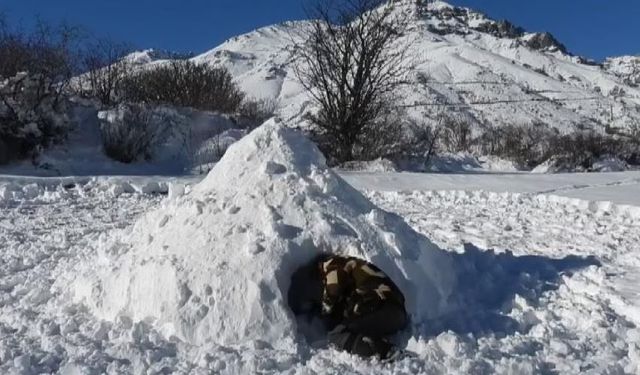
491,72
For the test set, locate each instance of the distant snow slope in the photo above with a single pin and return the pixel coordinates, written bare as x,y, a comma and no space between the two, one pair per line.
491,72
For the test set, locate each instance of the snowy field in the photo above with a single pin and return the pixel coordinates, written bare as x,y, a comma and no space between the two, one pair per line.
547,279
604,190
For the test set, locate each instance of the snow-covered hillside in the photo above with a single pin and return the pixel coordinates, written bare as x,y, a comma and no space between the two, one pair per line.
491,72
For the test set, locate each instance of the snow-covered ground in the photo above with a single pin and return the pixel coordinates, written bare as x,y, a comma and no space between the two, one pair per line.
541,278
615,188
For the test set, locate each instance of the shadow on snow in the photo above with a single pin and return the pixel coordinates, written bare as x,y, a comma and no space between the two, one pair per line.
487,283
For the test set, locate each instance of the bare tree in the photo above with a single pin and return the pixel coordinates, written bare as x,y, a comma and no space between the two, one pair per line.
135,132
35,69
456,133
105,69
351,61
46,50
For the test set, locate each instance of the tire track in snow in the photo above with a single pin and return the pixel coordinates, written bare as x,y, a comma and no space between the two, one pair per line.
633,181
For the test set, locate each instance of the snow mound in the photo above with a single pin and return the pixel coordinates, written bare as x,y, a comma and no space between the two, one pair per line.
214,264
454,162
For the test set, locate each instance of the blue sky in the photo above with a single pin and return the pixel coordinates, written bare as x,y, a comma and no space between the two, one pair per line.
593,28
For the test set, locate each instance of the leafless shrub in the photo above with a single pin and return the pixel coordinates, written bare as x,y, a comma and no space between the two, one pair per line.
185,84
135,133
456,134
254,112
634,140
385,139
527,145
582,148
425,139
530,145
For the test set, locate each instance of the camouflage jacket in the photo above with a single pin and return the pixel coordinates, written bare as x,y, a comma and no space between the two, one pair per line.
353,287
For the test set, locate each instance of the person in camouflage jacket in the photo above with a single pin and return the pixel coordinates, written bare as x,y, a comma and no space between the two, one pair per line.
358,303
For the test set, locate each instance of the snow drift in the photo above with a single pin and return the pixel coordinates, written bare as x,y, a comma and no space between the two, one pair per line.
214,264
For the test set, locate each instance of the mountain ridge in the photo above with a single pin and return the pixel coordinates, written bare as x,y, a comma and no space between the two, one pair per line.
491,73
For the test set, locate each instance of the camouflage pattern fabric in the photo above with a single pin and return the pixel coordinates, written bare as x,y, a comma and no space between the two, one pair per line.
355,288
362,306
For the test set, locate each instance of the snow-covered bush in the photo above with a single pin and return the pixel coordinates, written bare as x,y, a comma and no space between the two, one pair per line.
132,131
33,115
185,138
526,145
184,83
530,145
608,163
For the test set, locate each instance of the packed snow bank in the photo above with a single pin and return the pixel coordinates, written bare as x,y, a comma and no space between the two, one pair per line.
214,264
606,163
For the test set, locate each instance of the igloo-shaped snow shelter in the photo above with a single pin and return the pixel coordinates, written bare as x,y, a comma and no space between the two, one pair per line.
214,265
